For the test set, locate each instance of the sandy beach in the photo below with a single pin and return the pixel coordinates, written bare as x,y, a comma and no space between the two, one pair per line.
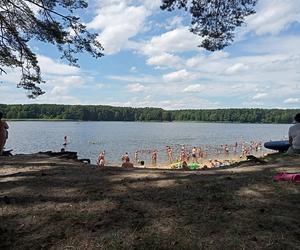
54,203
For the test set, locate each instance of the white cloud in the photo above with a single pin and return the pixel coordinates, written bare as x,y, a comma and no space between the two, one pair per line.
168,104
55,98
196,61
292,101
49,66
194,88
133,69
257,72
134,78
288,44
216,55
164,60
136,87
174,22
178,76
14,96
273,16
215,63
66,81
100,85
117,22
177,40
58,89
151,4
259,96
34,8
12,76
236,68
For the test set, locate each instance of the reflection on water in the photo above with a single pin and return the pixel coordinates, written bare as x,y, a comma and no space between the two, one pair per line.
116,138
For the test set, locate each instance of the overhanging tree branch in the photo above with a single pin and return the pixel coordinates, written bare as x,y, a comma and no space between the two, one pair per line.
19,25
214,20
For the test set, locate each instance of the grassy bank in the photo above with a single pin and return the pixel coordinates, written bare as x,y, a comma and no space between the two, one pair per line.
59,204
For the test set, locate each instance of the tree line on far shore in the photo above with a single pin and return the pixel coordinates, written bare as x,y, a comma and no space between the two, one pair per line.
109,113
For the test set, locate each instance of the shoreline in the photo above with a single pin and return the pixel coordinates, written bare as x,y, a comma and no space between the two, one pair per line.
69,155
152,121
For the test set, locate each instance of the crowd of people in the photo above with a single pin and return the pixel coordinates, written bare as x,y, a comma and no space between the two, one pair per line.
185,154
188,155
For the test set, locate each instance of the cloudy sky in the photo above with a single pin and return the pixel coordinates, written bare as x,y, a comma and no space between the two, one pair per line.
153,60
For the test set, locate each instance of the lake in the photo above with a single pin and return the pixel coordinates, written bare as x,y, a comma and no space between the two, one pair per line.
116,138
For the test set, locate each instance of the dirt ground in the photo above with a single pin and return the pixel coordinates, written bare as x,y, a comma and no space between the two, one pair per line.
52,203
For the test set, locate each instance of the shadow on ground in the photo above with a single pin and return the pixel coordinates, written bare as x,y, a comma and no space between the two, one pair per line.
67,205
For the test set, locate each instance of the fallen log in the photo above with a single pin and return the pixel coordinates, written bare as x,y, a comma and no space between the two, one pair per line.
87,161
7,152
65,154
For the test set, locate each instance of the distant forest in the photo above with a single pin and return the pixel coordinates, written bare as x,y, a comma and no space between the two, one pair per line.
108,113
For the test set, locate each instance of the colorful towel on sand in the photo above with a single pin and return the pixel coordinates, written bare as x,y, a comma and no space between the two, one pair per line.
287,177
193,166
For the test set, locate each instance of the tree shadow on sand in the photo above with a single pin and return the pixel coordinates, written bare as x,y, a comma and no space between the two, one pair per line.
78,207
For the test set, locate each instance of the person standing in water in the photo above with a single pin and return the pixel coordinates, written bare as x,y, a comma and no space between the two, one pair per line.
3,133
65,141
101,159
170,154
226,149
154,157
182,153
194,155
136,156
125,157
235,147
187,156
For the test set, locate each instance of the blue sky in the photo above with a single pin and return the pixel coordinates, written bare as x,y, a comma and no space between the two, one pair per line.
151,59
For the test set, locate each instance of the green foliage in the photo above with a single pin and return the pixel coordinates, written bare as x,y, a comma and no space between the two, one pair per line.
108,113
54,22
215,21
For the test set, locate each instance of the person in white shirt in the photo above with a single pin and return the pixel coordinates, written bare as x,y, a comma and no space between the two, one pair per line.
3,133
294,136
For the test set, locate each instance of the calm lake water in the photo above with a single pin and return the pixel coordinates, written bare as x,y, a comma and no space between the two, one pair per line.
116,138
